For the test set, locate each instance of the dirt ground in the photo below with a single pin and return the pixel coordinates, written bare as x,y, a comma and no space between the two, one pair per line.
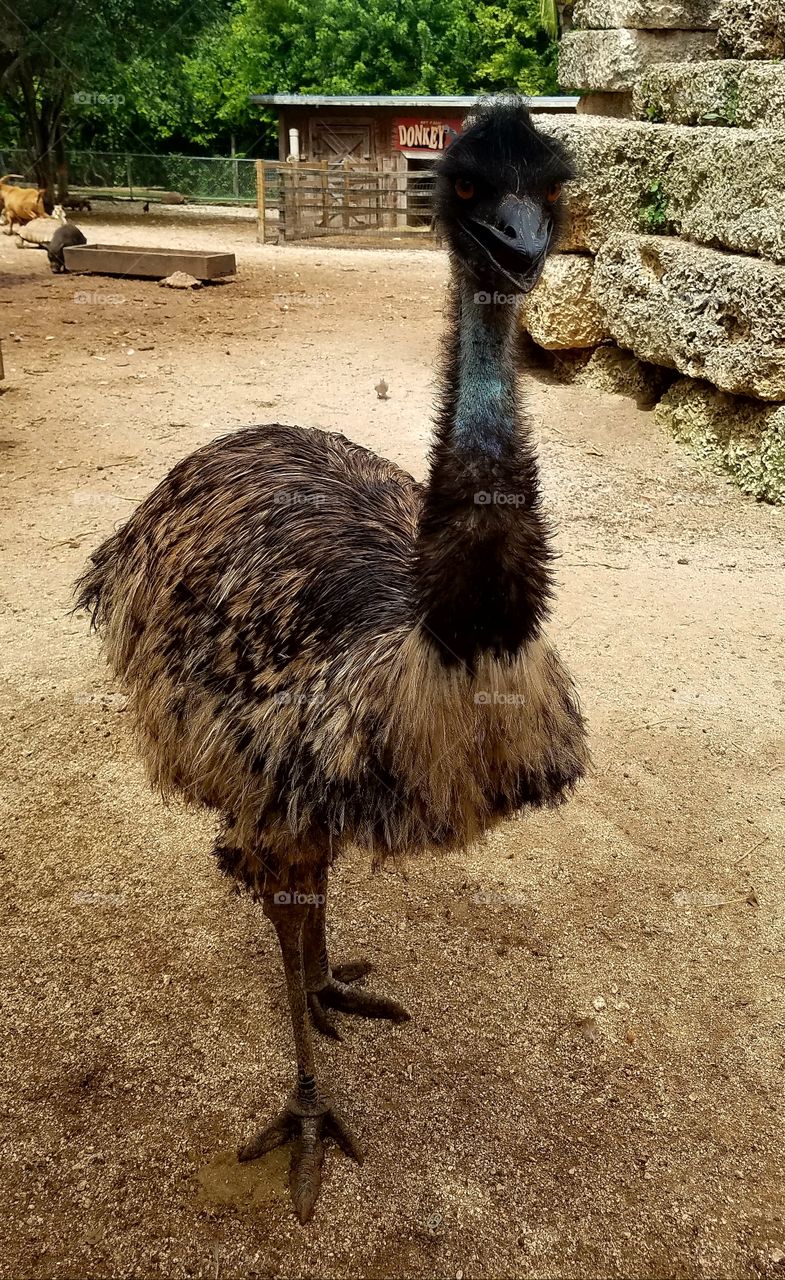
592,1082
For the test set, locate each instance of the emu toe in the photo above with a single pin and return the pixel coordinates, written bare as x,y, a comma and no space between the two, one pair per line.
352,971
338,994
306,1128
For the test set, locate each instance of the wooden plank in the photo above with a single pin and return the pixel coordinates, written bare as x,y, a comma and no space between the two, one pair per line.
151,263
286,202
293,225
260,202
346,196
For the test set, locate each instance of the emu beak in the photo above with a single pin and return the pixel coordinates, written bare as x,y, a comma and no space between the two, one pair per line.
518,240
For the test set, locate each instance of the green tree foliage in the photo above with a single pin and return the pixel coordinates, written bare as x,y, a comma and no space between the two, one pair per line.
180,73
64,63
364,46
515,51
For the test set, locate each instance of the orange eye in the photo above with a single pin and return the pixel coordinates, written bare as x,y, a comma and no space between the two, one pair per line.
553,193
464,188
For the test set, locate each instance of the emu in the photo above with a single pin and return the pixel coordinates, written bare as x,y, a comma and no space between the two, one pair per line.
326,652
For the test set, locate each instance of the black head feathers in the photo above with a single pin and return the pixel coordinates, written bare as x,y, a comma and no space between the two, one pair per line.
498,187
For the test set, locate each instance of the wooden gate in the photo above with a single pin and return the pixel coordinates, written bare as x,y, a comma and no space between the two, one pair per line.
338,141
304,201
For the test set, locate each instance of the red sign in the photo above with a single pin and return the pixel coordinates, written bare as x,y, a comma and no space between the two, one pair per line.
413,134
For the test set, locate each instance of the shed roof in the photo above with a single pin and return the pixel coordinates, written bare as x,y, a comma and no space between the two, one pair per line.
561,103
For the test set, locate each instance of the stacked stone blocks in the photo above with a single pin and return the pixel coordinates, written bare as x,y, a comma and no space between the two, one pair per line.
672,260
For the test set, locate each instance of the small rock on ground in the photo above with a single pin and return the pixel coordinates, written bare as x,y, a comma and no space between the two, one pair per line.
181,280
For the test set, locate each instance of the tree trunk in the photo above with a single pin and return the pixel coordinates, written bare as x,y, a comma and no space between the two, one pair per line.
44,128
61,161
46,174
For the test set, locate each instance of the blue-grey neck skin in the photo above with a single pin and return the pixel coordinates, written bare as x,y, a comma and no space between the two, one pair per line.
485,406
482,562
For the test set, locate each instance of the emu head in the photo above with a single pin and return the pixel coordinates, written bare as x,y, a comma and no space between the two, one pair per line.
497,195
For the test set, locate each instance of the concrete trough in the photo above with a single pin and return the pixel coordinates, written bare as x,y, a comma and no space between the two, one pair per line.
153,264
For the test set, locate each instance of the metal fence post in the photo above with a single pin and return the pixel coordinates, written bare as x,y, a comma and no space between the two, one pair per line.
235,171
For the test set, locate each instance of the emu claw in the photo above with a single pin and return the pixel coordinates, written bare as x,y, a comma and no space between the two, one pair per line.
353,971
337,994
320,1019
308,1126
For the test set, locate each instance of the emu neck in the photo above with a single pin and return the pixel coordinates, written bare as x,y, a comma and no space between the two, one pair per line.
482,551
485,384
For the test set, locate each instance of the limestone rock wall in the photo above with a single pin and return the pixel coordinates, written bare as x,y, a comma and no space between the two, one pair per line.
749,95
562,312
611,61
718,186
671,270
709,314
751,28
742,437
681,15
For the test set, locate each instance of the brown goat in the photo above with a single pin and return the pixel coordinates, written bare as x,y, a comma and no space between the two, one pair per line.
20,204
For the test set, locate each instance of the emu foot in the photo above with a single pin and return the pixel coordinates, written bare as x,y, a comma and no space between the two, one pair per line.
306,1124
338,994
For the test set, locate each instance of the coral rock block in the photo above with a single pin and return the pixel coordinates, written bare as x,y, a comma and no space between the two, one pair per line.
709,314
613,60
562,312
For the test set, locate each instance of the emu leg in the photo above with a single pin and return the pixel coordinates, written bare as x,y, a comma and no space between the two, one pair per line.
328,988
309,1116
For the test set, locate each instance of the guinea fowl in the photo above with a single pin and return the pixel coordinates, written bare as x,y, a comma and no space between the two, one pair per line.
327,653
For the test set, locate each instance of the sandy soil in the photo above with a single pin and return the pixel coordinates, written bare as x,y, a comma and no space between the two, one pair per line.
592,1085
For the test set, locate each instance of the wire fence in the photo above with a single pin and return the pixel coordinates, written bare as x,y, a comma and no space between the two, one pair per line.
139,176
293,201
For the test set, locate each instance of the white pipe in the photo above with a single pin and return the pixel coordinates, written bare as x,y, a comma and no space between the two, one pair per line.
294,144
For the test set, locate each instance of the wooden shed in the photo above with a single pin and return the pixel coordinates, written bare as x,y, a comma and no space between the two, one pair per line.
407,131
360,164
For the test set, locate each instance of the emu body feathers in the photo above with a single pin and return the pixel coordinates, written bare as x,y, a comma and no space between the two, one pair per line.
261,607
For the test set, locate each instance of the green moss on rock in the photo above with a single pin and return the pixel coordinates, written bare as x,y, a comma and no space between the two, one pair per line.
654,210
740,437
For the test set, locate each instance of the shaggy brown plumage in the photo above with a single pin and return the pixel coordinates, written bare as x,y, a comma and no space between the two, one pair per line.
325,652
262,609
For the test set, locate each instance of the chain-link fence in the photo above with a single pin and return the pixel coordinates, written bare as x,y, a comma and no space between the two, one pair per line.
293,202
138,176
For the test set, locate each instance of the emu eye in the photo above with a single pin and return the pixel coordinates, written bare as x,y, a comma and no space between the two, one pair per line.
553,192
464,188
